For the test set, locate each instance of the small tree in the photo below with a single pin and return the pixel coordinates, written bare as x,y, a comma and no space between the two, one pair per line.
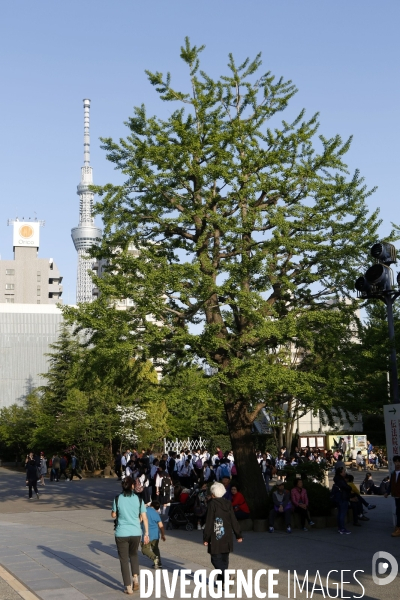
248,228
130,417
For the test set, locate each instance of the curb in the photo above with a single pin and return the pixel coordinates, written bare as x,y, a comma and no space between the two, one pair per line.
17,585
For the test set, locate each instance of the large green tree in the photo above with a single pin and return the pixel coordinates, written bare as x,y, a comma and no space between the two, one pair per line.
250,232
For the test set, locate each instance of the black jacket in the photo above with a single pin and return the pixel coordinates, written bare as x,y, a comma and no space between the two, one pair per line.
31,471
345,489
221,523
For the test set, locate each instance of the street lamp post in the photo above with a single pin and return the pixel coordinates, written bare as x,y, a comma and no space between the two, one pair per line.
378,283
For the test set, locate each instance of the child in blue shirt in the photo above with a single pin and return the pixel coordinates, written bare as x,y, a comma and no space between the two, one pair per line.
156,527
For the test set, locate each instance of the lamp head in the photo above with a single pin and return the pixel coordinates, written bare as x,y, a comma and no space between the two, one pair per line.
384,252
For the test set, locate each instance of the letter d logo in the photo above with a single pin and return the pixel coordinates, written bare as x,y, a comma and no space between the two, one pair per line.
380,568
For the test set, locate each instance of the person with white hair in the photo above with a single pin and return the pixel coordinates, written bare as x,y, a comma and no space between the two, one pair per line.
220,526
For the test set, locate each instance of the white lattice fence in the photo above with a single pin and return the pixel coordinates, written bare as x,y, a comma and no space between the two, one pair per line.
179,445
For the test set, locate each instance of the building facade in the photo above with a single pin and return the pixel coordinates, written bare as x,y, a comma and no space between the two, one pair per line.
28,279
30,288
26,333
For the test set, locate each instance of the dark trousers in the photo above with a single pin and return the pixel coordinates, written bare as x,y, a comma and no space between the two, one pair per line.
274,513
240,515
397,501
74,472
118,471
151,550
355,507
303,512
63,472
128,553
342,508
54,474
221,562
32,483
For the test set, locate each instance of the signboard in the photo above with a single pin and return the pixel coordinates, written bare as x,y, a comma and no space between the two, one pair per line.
360,442
312,441
26,233
391,414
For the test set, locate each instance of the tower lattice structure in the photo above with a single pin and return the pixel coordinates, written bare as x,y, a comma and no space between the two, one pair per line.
86,234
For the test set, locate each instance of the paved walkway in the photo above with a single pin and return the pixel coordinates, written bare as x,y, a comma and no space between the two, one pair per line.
61,549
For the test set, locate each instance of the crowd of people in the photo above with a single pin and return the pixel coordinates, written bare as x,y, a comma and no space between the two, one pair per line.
37,468
200,489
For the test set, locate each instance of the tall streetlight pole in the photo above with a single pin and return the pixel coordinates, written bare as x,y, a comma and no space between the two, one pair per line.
378,283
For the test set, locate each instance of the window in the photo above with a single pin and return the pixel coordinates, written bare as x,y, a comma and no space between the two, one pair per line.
10,271
9,300
38,291
9,286
38,302
39,276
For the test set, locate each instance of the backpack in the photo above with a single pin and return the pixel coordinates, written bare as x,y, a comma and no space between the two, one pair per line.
166,485
233,470
39,472
138,486
225,471
198,464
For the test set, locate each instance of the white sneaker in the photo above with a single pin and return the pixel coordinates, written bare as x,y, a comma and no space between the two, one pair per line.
199,527
271,530
289,529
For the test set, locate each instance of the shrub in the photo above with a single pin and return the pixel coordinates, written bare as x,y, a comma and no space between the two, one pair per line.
306,470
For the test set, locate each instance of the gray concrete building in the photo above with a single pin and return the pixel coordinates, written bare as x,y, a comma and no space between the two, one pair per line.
26,332
28,279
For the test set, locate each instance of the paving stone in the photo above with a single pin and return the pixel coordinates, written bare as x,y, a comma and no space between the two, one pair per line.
97,587
61,594
54,583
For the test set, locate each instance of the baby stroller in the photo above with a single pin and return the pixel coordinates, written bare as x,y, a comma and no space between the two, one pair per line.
182,514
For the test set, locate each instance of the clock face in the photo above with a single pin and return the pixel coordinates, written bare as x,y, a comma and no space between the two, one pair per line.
26,231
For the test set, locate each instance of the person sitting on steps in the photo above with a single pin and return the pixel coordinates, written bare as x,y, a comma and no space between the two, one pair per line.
300,502
282,507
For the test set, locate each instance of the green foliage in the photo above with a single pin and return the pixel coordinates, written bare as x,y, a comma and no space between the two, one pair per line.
305,470
250,234
15,427
222,441
193,404
371,360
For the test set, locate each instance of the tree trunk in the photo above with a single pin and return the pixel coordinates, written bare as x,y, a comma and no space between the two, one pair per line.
251,481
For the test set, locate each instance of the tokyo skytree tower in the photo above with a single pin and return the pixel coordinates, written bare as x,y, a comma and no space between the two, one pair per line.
86,234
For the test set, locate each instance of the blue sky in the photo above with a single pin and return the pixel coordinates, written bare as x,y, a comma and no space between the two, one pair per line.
343,57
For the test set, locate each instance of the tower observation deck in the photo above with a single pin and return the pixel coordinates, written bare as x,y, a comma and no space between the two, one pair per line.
86,234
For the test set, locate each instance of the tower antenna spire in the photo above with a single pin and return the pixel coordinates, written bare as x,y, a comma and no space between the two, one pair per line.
86,234
86,132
